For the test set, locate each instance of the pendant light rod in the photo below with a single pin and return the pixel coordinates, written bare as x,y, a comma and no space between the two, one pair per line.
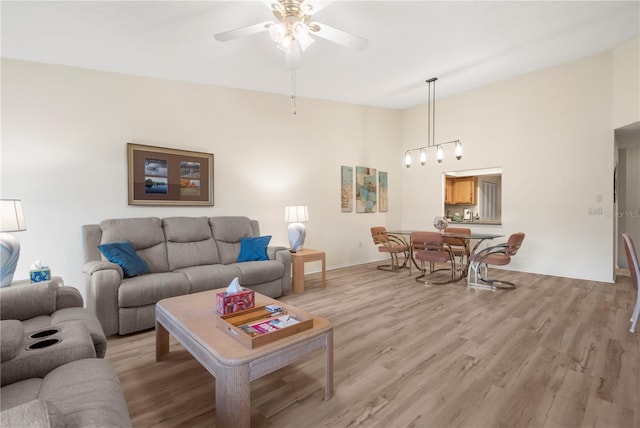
431,132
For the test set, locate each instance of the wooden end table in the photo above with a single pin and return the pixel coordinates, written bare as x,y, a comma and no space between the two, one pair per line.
298,260
192,320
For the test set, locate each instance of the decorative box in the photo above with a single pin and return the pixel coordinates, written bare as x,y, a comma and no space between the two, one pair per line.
227,303
39,275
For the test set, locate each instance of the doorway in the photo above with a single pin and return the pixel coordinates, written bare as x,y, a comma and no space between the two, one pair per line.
627,188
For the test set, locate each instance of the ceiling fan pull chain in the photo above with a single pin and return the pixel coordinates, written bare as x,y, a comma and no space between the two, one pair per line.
293,89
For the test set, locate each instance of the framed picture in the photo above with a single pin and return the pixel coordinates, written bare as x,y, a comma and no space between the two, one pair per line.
160,176
383,191
366,189
346,175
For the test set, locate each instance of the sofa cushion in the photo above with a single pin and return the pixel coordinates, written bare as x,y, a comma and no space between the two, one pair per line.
227,231
88,393
145,234
254,249
123,254
189,242
149,289
26,301
203,278
252,273
10,339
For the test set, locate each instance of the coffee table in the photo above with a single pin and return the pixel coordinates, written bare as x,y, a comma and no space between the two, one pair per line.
191,319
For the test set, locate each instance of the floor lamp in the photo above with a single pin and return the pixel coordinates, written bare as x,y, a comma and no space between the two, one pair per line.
11,220
296,215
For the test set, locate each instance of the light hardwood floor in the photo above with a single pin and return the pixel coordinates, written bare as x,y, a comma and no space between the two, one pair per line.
555,352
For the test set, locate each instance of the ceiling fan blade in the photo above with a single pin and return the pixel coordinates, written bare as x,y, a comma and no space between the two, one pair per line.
338,36
242,32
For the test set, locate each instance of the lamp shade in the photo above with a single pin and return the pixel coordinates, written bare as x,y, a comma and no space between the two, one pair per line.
11,216
296,214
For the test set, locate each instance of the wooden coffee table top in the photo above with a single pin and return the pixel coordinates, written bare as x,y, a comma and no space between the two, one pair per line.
195,314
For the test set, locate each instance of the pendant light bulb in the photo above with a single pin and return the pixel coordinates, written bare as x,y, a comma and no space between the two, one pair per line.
407,159
439,154
458,150
423,157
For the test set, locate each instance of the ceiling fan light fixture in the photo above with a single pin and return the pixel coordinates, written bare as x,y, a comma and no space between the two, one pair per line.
277,32
299,30
305,42
277,7
307,9
285,43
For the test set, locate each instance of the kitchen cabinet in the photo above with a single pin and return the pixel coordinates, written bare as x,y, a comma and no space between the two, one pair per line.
464,191
448,191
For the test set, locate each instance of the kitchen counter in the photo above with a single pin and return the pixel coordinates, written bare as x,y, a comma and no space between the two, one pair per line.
480,222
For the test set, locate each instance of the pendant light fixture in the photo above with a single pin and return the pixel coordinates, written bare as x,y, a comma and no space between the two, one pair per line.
431,133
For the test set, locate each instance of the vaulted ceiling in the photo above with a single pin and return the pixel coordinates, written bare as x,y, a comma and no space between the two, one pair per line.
464,44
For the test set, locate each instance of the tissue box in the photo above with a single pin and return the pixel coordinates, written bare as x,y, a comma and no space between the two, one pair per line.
229,303
39,275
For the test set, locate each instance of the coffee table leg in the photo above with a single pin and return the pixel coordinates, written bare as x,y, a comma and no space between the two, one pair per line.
162,341
233,390
328,369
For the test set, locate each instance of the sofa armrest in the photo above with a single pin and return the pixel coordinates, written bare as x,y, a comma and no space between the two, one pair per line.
68,297
97,265
102,280
24,301
282,255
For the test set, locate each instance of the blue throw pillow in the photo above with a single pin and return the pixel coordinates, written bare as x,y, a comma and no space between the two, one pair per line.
123,254
254,249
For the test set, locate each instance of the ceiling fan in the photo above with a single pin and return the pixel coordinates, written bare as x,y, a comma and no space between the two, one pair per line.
293,28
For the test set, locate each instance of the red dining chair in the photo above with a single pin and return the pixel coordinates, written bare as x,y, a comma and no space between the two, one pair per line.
634,270
390,244
499,255
430,247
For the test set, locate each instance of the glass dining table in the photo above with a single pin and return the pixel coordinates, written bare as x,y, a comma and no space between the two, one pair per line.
465,237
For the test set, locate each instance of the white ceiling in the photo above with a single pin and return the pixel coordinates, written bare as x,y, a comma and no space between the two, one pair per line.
464,44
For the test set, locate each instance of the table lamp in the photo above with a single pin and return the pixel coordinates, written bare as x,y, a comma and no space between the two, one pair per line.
295,215
11,220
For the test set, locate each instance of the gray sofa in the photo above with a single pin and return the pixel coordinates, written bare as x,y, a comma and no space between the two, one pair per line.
49,372
184,255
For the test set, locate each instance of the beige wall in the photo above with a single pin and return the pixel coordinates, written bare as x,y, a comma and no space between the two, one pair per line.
626,83
550,131
64,135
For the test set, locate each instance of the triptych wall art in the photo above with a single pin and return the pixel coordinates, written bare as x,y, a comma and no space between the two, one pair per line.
371,190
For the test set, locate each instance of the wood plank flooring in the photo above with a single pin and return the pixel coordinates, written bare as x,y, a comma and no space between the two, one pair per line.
555,352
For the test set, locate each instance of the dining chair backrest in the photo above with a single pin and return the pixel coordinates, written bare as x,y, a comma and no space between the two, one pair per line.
379,235
513,243
458,242
632,259
427,241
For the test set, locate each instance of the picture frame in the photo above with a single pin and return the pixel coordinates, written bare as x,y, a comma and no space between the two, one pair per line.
165,176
